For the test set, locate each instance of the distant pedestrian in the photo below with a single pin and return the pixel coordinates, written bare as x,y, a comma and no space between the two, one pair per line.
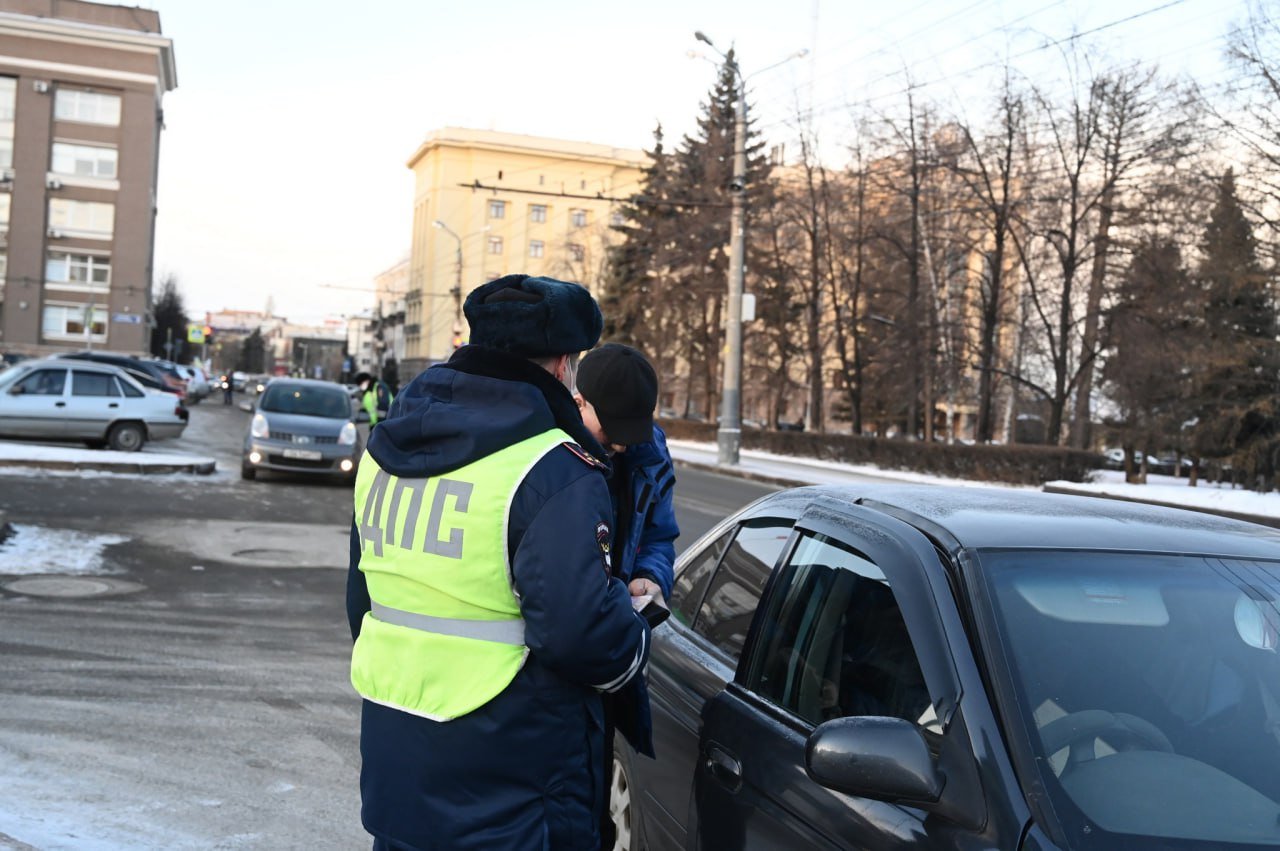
375,397
486,621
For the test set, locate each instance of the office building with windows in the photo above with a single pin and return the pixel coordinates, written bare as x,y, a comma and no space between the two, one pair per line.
488,204
81,90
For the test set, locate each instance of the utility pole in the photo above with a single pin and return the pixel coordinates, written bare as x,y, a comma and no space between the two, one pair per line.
729,435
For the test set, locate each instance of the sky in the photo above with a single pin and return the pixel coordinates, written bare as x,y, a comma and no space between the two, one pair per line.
282,167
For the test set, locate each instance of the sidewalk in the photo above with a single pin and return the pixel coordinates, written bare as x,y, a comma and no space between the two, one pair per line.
789,471
40,456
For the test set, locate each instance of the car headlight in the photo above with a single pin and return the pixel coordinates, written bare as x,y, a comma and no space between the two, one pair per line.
259,428
347,437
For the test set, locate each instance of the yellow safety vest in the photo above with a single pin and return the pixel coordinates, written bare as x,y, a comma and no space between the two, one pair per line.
445,635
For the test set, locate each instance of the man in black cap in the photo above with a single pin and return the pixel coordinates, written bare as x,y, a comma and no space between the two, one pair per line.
486,621
617,392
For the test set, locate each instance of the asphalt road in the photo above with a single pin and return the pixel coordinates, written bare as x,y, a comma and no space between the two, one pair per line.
202,701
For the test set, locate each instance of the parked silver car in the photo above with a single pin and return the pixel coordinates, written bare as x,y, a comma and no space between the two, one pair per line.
100,404
302,426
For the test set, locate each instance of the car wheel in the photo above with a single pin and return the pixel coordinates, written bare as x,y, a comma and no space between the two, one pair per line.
126,437
248,473
623,808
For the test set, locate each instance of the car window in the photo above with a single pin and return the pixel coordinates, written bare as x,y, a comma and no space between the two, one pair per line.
93,384
725,614
833,642
306,400
128,389
691,582
44,382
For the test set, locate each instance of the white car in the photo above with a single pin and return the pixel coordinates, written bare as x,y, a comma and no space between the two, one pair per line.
99,404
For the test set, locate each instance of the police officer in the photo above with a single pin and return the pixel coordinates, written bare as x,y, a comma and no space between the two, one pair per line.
375,397
486,621
616,394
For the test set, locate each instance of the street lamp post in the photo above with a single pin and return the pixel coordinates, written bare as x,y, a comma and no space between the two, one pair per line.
456,292
729,435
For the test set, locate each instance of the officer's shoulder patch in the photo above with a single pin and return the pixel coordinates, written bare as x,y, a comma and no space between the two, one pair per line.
583,455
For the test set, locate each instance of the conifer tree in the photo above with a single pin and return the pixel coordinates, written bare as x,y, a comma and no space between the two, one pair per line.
1239,363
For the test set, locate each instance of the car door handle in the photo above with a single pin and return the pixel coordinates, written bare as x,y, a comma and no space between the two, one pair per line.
59,404
724,768
113,404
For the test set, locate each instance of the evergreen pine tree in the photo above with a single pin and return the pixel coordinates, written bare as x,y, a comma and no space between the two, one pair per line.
170,315
1239,364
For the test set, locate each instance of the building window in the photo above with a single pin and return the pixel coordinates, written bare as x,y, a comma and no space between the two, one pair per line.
495,245
84,272
86,107
575,252
91,219
4,211
84,160
4,267
616,219
8,101
537,213
536,248
69,320
578,218
497,209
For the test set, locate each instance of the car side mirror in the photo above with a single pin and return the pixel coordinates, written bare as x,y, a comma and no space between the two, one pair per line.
15,390
885,759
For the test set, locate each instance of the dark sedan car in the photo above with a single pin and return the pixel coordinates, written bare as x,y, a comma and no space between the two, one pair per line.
302,426
890,668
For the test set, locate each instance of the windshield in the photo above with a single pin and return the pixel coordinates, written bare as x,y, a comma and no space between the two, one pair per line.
306,401
1150,687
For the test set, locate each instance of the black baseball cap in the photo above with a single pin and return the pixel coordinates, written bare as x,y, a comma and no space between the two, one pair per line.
621,385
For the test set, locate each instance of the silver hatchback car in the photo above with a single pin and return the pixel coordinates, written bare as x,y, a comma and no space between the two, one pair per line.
302,426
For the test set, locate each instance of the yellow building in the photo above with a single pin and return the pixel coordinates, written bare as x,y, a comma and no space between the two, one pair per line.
488,204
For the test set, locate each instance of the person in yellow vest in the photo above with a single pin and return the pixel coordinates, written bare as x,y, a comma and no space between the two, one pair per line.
486,619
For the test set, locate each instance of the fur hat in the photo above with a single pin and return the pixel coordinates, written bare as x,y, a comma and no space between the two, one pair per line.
533,317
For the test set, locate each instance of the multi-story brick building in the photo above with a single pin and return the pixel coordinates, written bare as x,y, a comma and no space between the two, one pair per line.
81,87
488,204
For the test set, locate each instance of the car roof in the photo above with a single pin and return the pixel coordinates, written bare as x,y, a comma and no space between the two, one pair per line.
62,363
305,382
985,518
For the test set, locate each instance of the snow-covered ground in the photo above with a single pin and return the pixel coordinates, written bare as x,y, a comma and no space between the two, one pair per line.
11,451
1165,490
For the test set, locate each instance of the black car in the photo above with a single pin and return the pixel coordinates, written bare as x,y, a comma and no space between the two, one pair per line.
869,667
160,377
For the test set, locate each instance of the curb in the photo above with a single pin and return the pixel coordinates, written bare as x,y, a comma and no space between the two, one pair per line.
201,467
741,474
1273,522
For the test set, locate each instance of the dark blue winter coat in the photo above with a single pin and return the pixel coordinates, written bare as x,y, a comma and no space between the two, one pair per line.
649,481
643,546
524,770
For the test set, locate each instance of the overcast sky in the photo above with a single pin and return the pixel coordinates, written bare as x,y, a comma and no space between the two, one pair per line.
283,161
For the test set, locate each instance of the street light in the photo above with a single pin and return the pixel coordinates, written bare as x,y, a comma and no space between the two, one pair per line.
729,435
456,291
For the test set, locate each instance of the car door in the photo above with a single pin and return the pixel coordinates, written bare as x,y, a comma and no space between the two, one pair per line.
35,406
693,658
830,641
92,405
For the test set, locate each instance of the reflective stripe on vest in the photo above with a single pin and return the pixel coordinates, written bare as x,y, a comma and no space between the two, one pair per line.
503,632
444,635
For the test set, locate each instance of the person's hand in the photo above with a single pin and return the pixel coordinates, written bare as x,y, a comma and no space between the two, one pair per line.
640,587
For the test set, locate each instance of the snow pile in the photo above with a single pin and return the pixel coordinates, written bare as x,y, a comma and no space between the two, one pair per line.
36,550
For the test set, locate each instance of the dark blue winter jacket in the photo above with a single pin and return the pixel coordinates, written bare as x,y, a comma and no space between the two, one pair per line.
646,490
524,770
